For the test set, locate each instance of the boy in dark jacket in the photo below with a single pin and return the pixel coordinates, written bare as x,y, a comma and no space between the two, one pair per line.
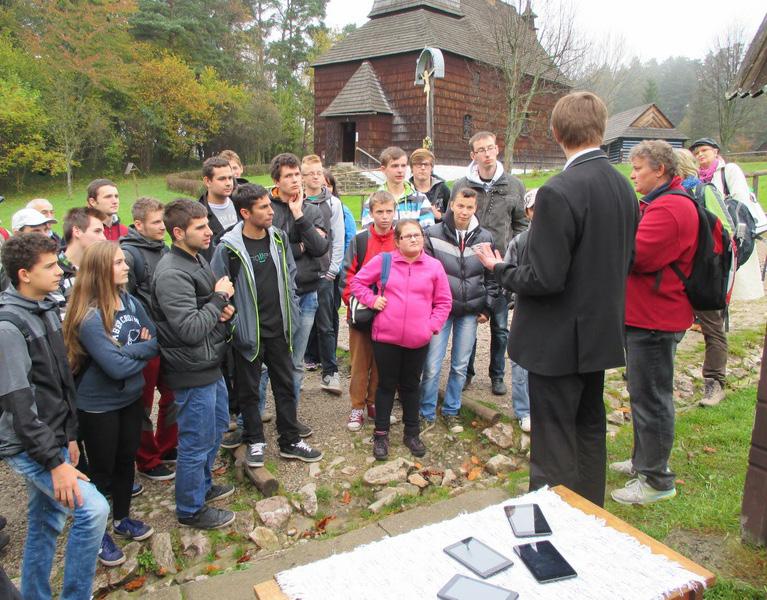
144,246
38,426
192,313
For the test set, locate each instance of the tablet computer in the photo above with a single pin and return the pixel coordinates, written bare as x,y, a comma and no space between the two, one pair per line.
545,562
478,557
527,520
461,587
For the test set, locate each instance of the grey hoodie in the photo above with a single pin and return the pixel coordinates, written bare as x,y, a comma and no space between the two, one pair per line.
247,333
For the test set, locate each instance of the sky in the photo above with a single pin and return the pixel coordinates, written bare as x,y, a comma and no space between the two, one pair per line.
650,28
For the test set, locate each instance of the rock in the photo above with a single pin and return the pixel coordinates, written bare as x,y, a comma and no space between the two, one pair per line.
395,470
162,550
456,429
407,489
336,461
418,480
265,538
314,470
449,478
378,505
370,460
349,470
274,511
524,441
616,417
309,499
195,543
244,522
129,568
625,394
385,493
300,523
291,532
501,434
614,402
500,464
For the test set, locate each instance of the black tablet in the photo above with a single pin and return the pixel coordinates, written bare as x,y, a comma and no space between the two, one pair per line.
478,557
545,562
527,520
461,587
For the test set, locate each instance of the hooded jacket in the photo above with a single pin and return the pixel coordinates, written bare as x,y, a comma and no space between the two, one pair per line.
438,194
142,253
500,202
37,392
333,218
247,333
306,243
473,287
186,313
412,204
417,296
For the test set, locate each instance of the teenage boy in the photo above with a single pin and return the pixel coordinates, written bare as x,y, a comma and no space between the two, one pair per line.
218,179
317,194
411,204
474,291
192,313
500,209
257,257
46,208
425,181
144,246
376,238
38,423
82,227
102,195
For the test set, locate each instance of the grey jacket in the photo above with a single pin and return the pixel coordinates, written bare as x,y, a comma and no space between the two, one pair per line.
247,333
500,203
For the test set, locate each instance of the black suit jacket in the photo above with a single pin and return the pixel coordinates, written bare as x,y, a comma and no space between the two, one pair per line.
571,285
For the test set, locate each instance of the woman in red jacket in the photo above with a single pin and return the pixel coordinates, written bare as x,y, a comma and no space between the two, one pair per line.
414,306
657,315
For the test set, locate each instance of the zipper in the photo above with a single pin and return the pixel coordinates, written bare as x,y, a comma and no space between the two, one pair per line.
255,301
283,261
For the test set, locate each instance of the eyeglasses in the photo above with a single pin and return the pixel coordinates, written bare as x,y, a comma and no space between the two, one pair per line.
411,236
313,174
485,150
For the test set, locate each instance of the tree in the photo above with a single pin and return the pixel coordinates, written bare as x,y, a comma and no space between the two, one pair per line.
650,92
532,62
601,69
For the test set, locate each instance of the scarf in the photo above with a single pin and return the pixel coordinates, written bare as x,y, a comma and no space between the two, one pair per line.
706,175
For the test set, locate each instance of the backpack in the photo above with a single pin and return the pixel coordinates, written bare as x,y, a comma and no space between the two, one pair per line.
709,285
361,316
140,267
743,224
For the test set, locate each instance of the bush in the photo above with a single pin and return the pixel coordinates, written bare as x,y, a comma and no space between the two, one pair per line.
190,182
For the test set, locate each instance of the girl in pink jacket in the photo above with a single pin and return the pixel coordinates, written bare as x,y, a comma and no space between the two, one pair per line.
415,305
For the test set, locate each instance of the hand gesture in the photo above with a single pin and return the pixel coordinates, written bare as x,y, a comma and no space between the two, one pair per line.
66,490
225,286
380,303
227,313
486,256
296,205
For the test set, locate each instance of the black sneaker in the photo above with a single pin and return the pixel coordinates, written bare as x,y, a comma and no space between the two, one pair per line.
3,522
380,446
254,455
414,444
232,440
4,540
218,492
159,473
304,430
499,388
169,458
302,451
209,518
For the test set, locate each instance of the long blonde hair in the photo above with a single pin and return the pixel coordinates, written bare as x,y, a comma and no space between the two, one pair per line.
94,289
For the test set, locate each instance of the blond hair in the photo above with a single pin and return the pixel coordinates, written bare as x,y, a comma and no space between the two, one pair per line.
686,165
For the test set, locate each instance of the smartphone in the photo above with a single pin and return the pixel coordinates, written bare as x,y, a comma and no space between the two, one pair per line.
478,557
545,562
527,520
461,587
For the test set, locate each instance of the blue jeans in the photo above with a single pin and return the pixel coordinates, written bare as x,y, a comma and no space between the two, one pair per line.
464,331
520,394
301,330
499,337
46,519
326,328
203,417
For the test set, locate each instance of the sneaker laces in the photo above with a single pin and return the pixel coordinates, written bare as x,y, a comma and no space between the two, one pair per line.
302,445
356,413
257,447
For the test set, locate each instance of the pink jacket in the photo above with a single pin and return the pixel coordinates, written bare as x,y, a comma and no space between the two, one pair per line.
418,299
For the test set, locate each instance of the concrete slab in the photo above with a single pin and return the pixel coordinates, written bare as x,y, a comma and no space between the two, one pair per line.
169,593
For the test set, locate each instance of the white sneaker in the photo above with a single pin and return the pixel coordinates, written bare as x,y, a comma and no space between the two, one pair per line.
638,491
331,383
524,424
624,467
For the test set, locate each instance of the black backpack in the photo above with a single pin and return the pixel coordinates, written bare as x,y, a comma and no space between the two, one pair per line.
742,222
713,267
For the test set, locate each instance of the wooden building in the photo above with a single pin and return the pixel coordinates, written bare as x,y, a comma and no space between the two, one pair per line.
365,96
626,129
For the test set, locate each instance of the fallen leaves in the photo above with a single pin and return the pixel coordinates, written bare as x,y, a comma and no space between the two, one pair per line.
709,450
244,558
135,584
346,497
474,473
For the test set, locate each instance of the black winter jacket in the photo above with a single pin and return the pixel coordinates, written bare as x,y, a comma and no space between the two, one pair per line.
142,255
473,287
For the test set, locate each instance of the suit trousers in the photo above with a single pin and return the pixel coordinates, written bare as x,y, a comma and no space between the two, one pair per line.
568,429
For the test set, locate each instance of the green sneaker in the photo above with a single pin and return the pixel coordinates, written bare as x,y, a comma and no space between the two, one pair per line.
638,491
452,421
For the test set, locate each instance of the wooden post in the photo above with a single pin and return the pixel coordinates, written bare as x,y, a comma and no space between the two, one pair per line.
260,477
753,514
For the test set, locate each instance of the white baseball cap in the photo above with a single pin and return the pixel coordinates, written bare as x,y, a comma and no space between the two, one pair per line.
29,217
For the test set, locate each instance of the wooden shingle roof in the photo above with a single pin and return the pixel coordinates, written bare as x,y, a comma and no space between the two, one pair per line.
362,95
752,75
645,122
381,7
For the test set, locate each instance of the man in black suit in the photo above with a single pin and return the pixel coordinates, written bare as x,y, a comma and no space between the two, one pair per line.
568,321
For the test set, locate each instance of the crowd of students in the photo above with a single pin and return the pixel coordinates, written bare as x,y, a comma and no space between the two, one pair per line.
250,289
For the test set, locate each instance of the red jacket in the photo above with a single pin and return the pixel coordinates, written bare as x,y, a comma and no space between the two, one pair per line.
115,231
352,263
667,233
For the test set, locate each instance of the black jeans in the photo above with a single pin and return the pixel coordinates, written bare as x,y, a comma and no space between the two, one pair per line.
275,353
499,338
111,440
398,369
568,430
324,325
650,371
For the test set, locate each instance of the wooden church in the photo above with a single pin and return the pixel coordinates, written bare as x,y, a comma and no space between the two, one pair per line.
366,98
626,129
